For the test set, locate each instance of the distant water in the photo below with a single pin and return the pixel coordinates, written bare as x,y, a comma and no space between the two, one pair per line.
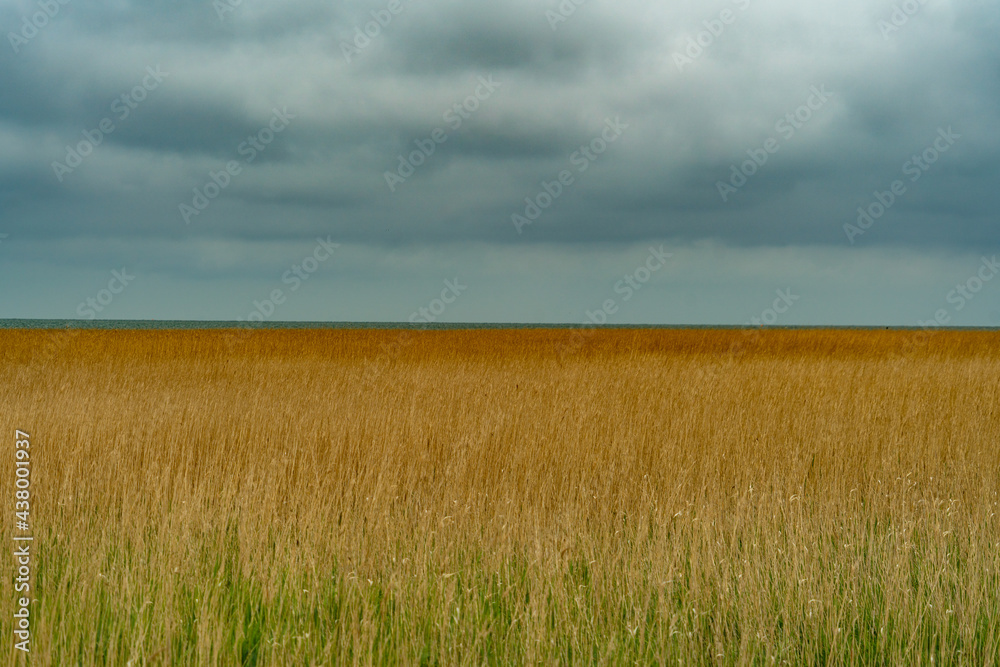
216,324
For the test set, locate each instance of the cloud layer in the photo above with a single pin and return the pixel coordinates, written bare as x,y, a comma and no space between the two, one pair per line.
751,124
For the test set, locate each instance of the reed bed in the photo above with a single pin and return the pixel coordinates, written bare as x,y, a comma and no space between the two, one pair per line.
331,497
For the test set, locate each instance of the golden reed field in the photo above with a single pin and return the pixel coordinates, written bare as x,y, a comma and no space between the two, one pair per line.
328,497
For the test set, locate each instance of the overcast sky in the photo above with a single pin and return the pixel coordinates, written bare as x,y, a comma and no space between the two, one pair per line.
510,161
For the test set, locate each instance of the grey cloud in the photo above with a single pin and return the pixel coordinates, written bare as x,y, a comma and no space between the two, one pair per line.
687,127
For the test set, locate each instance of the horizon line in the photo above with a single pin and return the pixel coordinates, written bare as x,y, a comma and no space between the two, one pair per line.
50,323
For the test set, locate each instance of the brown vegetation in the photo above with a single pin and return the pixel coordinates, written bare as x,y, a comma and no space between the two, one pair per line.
509,496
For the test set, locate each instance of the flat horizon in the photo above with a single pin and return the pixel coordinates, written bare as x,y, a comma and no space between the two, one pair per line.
45,323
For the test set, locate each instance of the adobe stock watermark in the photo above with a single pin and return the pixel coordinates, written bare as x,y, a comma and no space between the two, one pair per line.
35,23
900,16
294,277
958,298
363,35
223,7
437,307
122,107
914,168
454,116
964,292
767,317
254,145
453,289
563,12
581,159
22,542
627,287
786,127
779,306
703,40
91,306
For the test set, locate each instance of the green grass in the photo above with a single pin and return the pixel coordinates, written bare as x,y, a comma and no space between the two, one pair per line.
484,610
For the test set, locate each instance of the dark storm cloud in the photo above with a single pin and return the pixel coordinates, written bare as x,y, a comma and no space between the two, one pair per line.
687,126
454,36
200,22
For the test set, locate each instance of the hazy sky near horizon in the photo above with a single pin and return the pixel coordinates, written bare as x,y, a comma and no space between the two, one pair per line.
515,161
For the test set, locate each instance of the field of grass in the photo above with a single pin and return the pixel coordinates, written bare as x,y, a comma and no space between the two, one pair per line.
506,497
